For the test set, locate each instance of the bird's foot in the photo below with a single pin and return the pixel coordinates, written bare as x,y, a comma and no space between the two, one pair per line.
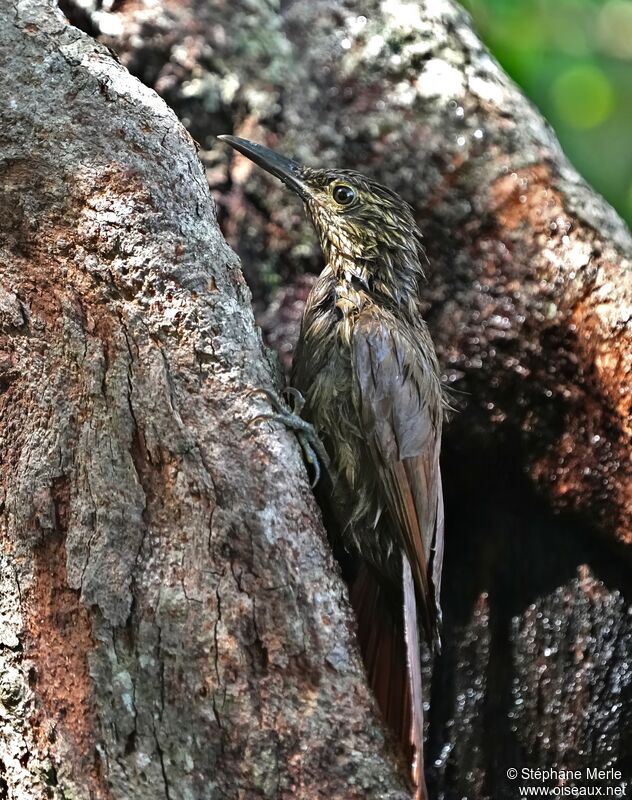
311,444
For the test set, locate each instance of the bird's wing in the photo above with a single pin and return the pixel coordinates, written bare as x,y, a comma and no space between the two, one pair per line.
401,422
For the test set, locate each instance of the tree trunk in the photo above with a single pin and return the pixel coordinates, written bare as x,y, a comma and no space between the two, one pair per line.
530,284
173,625
528,299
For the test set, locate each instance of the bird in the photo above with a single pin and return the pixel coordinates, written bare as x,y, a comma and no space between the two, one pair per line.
367,375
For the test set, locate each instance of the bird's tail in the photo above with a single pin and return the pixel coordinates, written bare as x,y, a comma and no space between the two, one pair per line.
413,654
389,642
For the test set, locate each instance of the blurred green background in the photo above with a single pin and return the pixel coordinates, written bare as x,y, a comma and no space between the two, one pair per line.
573,58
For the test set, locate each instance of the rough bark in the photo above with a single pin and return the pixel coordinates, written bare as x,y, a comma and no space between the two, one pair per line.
530,288
529,303
173,625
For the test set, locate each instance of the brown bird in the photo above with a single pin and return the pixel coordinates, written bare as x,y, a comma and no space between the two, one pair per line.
367,370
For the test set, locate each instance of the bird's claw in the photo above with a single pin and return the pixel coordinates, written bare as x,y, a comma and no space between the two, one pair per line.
297,397
274,400
310,455
311,445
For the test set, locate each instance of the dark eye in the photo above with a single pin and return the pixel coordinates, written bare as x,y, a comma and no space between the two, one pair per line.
343,195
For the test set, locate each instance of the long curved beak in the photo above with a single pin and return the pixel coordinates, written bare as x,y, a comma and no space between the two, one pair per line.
281,167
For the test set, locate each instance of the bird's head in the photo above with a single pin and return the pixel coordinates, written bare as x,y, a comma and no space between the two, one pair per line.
355,217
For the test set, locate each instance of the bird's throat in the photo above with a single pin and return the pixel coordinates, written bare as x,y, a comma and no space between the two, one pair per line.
352,284
392,280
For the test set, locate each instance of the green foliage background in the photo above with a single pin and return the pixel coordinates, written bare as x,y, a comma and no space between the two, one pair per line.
574,59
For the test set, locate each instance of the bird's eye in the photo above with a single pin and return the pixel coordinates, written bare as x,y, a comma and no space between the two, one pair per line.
343,194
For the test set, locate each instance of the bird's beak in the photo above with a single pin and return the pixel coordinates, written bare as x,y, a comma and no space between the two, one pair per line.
281,167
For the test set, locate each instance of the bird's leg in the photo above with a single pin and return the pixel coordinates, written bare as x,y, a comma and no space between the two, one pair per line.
311,444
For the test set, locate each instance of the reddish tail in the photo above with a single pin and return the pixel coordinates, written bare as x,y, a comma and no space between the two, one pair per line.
389,642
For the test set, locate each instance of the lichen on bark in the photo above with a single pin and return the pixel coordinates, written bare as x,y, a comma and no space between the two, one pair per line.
178,628
528,300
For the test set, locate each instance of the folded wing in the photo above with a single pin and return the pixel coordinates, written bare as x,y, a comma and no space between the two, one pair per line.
399,406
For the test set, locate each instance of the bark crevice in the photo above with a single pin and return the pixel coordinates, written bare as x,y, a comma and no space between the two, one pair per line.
214,626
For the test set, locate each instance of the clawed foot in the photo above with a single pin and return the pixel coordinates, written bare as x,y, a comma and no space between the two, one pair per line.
313,449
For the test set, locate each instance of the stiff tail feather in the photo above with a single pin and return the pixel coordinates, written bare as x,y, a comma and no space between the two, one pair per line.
411,632
385,635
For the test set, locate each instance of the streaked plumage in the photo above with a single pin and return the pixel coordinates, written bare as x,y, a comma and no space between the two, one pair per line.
367,369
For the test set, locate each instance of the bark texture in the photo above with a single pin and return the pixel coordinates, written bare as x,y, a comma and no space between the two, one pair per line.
173,625
530,274
529,301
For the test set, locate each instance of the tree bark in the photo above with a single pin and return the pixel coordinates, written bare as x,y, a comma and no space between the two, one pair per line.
530,286
173,625
528,299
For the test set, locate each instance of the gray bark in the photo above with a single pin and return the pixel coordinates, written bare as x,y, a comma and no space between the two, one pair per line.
530,286
173,625
528,301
